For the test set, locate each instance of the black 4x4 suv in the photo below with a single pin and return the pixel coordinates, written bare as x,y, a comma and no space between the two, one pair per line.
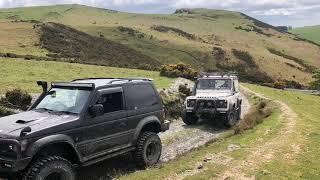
80,123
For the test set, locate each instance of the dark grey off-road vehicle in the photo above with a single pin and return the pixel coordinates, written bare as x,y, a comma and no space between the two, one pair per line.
80,123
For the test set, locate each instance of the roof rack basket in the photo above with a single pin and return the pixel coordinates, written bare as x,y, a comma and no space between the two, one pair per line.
222,74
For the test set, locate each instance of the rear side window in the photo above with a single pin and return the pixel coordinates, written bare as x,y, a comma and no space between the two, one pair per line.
140,96
111,102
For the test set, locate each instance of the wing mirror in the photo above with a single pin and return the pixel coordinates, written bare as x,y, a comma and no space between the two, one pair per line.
96,110
25,131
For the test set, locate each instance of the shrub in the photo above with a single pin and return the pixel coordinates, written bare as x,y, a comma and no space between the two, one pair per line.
285,84
316,83
244,56
279,85
178,70
5,112
131,32
219,53
18,99
256,116
308,67
173,104
183,89
180,32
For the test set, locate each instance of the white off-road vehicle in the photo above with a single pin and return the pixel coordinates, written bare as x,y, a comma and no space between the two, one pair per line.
215,97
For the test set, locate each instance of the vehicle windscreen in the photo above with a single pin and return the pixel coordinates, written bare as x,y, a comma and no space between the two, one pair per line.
64,100
214,84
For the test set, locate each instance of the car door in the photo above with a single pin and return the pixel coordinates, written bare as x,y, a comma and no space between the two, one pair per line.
107,133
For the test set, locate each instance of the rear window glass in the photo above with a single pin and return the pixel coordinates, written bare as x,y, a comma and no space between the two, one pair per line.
140,96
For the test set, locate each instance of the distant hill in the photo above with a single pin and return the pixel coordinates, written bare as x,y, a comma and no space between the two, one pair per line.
311,33
205,39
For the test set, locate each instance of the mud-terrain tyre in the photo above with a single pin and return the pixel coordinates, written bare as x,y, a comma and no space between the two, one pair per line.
148,149
230,119
189,118
51,167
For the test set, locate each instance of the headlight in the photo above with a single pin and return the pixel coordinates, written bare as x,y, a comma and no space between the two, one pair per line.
8,150
191,102
222,104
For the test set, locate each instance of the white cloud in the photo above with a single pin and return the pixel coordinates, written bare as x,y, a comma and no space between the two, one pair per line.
204,3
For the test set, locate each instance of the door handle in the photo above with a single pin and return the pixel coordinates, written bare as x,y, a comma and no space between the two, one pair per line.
121,125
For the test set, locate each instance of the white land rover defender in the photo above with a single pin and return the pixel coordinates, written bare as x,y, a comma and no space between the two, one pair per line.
215,96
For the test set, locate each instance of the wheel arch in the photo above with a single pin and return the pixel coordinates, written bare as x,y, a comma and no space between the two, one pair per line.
151,123
60,145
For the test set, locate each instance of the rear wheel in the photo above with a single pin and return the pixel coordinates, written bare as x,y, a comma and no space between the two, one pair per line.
189,118
148,150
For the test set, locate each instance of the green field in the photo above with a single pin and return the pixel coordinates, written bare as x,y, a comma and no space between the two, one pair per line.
275,149
18,73
311,33
211,29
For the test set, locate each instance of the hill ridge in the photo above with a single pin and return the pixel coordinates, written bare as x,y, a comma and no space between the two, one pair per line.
187,36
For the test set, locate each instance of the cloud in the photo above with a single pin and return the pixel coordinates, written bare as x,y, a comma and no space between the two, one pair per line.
272,11
204,3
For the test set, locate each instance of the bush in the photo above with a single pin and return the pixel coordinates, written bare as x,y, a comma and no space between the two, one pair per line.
183,89
5,112
178,70
285,84
256,116
173,104
308,67
316,83
244,56
180,32
18,99
219,53
279,85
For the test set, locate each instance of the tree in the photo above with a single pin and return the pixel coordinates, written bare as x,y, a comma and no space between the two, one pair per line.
316,83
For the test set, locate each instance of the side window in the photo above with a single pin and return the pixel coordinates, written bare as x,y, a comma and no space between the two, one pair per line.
111,102
141,96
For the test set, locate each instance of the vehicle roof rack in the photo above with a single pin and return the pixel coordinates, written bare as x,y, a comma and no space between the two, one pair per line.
116,79
217,74
130,79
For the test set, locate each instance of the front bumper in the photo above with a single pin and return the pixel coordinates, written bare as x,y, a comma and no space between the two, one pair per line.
207,113
12,165
165,126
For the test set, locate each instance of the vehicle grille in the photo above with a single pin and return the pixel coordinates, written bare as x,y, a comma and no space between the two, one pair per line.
206,104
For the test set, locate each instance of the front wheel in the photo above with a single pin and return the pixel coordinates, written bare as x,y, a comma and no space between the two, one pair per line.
148,150
230,119
189,118
50,168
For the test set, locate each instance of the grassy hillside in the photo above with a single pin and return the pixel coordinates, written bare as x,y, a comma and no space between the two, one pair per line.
205,39
18,73
284,146
311,33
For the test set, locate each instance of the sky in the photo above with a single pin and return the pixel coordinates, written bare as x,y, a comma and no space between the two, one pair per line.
296,13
